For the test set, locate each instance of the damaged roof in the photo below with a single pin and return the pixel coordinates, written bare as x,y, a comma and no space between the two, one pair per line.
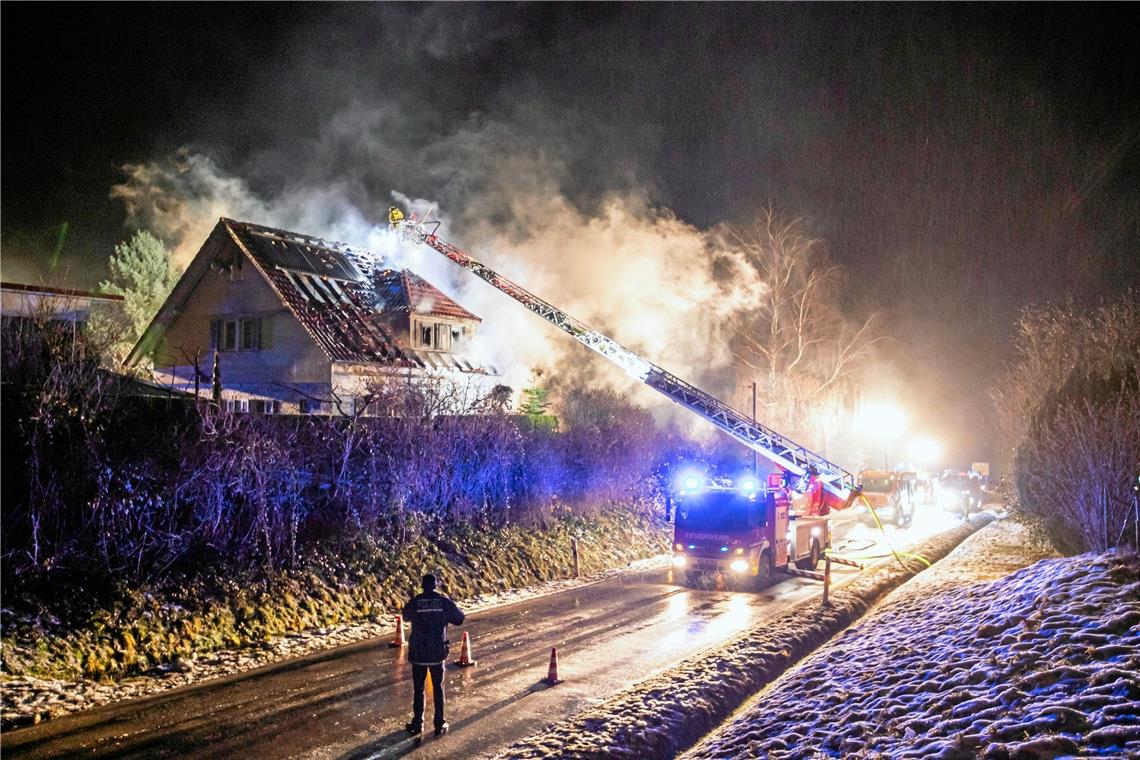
338,293
404,290
340,296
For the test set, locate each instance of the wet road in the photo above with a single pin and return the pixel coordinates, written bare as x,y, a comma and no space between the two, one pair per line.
353,701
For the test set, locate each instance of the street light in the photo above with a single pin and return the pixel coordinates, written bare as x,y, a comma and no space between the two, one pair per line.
886,422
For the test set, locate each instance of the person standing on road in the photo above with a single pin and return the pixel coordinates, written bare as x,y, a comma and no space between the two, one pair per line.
429,613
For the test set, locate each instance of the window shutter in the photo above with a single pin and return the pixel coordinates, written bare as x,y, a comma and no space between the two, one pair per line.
264,332
215,330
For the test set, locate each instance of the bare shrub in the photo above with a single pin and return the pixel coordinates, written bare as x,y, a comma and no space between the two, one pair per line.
1078,465
57,409
609,445
1068,407
105,486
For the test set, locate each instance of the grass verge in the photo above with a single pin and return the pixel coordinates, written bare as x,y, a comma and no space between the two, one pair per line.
141,628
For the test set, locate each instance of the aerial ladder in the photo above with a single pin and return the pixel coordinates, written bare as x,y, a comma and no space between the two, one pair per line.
838,485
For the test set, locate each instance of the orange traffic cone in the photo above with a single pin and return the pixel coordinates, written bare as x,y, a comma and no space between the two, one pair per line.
465,660
552,673
399,641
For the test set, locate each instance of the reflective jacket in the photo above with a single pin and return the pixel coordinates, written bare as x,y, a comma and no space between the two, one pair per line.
429,613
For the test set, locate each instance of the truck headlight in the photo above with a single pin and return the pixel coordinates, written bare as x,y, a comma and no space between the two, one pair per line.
679,560
739,566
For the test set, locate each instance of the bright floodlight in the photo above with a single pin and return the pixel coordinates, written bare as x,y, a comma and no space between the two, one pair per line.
884,421
690,482
925,451
748,485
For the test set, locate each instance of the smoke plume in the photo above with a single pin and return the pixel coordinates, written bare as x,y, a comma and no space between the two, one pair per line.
650,281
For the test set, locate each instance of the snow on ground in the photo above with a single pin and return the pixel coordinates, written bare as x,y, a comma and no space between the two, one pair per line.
967,660
27,699
663,715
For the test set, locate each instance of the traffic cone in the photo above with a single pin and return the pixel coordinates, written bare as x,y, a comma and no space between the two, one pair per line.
552,673
465,660
399,641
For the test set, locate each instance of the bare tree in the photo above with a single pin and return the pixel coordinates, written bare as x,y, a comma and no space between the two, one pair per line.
804,353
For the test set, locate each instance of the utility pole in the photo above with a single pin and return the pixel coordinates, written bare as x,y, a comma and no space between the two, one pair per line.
754,462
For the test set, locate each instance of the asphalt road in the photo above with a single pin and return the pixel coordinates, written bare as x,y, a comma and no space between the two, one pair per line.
353,701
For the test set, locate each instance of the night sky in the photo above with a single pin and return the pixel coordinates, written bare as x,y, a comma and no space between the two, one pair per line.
960,160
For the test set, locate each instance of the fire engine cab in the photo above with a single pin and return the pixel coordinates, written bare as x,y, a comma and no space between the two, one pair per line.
741,533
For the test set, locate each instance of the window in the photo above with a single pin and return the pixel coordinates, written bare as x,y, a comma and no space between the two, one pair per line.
228,341
425,336
250,334
265,406
442,337
238,334
308,406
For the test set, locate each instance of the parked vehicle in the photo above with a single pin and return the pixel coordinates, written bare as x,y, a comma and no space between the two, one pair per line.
889,494
958,492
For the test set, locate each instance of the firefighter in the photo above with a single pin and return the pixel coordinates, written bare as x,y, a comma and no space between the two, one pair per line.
815,491
429,613
395,216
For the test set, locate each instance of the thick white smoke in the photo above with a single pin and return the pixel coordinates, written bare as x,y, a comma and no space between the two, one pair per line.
648,280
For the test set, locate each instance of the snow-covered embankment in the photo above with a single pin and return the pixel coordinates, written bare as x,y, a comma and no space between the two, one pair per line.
966,661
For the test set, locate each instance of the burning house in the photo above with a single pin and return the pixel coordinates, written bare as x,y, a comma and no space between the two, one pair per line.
289,323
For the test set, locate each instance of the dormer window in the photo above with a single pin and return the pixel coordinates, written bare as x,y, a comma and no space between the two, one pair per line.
439,336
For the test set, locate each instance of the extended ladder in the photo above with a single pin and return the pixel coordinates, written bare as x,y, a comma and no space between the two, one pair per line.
784,453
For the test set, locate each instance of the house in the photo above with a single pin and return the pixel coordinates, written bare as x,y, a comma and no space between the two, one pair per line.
298,324
58,304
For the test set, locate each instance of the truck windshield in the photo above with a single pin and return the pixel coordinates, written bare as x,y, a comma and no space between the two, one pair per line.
715,512
876,484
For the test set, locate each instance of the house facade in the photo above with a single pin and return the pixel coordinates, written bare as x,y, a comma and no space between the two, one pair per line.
290,323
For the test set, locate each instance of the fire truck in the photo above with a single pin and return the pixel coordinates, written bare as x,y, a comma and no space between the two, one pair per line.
735,531
721,528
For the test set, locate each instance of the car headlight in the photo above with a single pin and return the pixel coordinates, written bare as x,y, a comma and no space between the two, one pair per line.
679,560
739,566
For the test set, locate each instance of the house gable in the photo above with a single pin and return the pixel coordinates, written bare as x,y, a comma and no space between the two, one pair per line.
224,295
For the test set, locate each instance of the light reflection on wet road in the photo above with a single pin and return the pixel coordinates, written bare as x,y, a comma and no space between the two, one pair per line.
352,702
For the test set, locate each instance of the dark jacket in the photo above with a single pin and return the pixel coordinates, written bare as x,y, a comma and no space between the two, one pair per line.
429,613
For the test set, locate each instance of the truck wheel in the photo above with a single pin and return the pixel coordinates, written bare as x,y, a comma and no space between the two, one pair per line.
811,561
763,571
